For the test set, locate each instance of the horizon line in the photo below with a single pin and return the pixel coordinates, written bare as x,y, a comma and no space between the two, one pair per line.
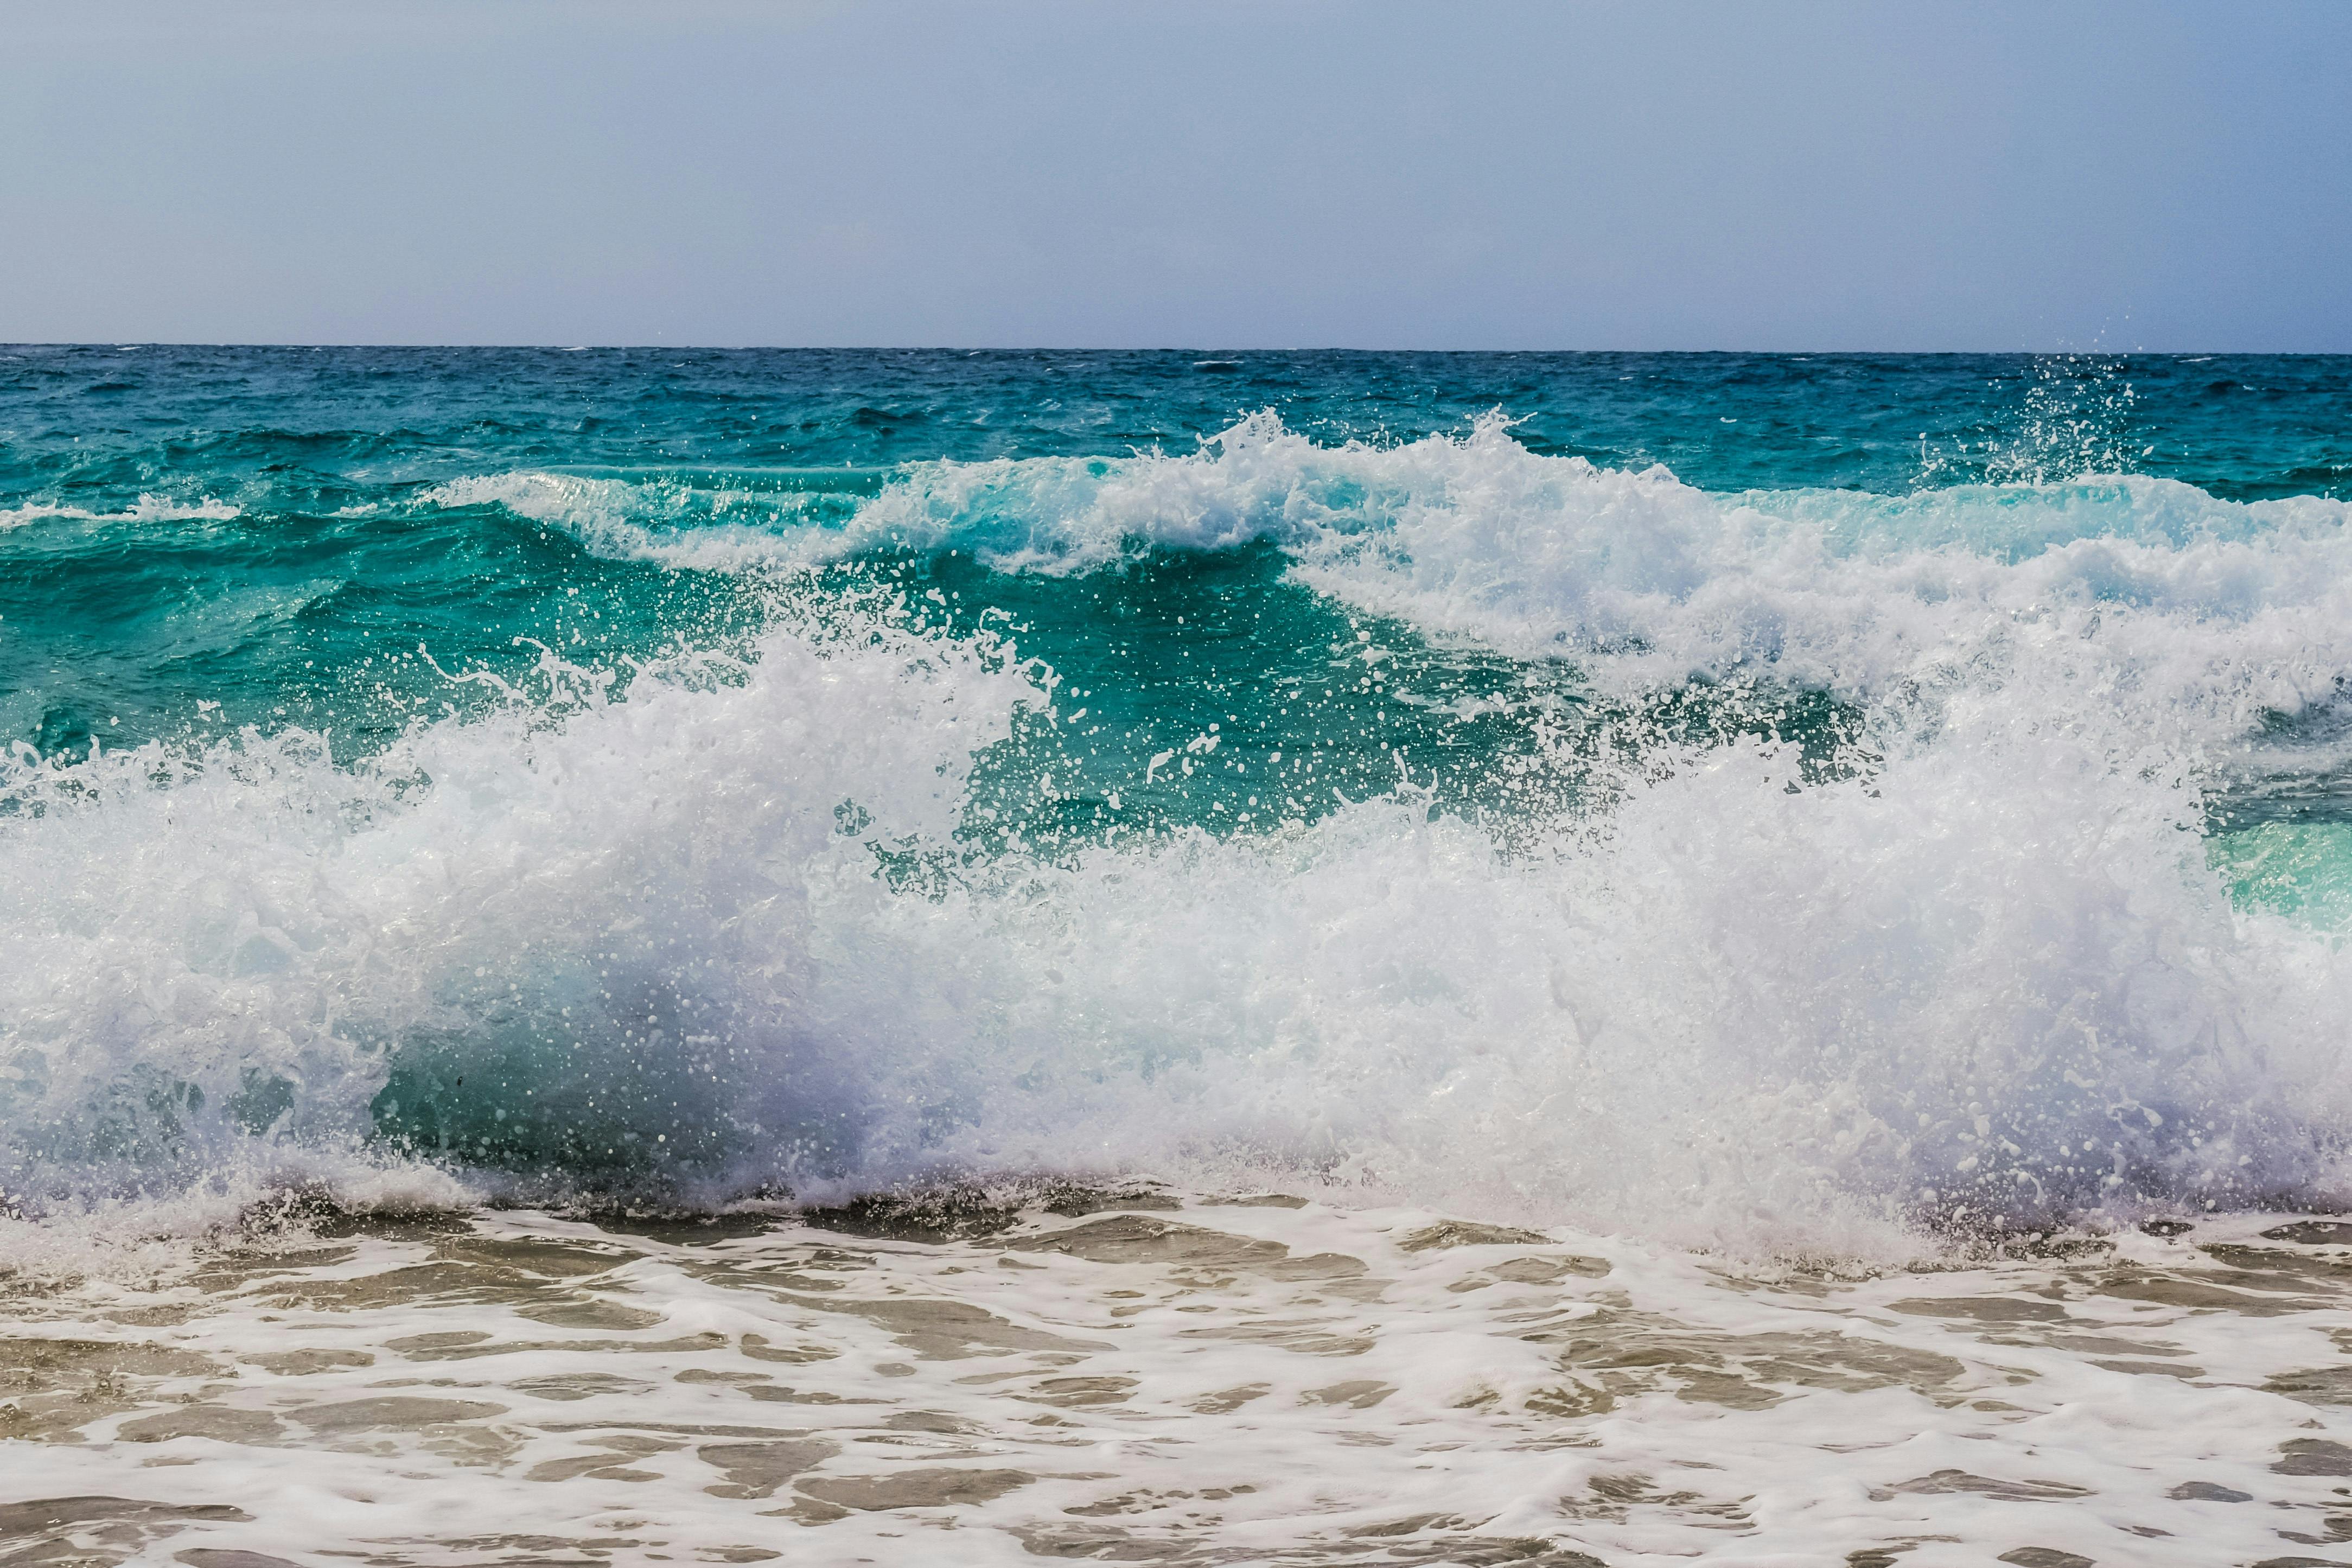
122,344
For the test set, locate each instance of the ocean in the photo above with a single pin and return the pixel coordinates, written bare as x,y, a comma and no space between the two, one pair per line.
629,955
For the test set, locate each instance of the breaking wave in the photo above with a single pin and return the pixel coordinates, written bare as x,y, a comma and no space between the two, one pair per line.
732,931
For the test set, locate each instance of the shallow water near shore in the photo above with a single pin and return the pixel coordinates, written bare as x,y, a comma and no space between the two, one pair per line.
1162,1378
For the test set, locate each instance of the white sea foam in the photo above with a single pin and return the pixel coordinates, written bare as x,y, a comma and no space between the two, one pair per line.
148,509
1278,1383
1997,974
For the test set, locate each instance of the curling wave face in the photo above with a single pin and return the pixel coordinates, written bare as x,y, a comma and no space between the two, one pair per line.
1520,830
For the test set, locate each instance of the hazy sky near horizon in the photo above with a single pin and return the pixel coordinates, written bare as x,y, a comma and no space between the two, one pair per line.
1084,172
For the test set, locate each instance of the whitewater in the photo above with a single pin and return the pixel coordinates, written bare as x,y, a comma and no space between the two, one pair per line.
1635,957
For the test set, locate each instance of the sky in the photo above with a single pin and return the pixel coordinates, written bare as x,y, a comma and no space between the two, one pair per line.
1798,175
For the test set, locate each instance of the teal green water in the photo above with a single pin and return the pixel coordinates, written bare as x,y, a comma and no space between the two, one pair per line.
268,533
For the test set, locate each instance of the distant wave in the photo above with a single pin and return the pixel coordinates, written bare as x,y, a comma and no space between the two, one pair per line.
2191,601
148,509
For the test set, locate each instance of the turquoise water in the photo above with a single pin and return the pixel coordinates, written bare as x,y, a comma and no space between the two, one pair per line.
1917,783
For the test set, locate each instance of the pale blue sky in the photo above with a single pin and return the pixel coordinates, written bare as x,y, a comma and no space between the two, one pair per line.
1289,173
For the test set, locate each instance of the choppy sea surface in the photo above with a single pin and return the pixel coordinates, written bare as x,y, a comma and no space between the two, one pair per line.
636,955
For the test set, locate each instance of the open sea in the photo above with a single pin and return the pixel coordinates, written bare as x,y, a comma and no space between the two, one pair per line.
616,956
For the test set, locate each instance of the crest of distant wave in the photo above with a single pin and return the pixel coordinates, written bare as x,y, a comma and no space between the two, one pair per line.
2205,601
